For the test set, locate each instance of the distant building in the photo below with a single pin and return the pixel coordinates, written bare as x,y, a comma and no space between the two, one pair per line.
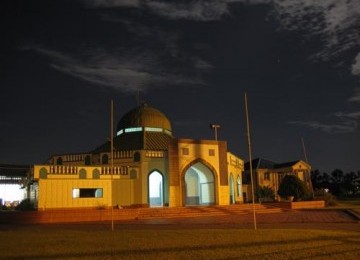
150,168
270,174
16,184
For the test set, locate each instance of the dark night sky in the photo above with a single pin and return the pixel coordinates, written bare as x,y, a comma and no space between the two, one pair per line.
299,62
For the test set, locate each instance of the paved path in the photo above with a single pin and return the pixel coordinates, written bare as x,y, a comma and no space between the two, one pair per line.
314,219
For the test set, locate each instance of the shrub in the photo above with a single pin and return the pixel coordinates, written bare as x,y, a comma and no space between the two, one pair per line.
291,185
265,193
322,194
25,205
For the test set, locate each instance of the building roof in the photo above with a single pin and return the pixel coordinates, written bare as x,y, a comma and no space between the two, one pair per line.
13,174
286,164
131,138
12,170
144,116
260,163
137,141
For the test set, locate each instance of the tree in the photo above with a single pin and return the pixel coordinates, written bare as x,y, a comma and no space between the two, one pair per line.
291,185
316,179
25,205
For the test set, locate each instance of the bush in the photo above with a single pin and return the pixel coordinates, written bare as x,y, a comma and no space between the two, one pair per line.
322,194
25,205
265,193
292,186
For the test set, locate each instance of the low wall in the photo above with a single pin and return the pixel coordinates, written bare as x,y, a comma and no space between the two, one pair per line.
297,204
308,204
66,216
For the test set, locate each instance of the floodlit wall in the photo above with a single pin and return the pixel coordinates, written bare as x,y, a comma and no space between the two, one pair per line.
212,154
60,193
272,177
236,168
192,151
80,186
84,187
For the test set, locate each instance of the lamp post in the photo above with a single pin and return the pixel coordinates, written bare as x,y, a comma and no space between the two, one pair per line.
215,127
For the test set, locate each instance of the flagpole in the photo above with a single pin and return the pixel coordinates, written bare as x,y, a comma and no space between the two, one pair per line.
304,150
309,174
112,160
250,160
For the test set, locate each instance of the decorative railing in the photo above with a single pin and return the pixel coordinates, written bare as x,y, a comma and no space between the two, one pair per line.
73,157
154,154
63,169
123,154
116,170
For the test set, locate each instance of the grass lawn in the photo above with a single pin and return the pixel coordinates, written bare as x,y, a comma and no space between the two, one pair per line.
98,242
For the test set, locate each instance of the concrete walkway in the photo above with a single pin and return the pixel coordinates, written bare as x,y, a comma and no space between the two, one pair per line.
313,219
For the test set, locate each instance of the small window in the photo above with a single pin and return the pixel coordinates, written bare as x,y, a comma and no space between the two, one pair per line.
133,129
87,193
267,176
96,174
120,132
185,151
211,152
43,173
153,129
82,174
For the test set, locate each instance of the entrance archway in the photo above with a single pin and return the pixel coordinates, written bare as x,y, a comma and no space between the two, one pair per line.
156,189
199,185
232,189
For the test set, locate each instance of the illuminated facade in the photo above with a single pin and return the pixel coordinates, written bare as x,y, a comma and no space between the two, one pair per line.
270,174
150,168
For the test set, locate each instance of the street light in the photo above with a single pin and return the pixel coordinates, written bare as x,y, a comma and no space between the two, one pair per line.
215,127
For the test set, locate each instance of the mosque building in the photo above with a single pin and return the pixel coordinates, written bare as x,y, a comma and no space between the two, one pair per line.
148,167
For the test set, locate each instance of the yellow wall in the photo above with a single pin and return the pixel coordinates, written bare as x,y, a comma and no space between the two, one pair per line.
198,151
57,193
201,151
55,189
235,167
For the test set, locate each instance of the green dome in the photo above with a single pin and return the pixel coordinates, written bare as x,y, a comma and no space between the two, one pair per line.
144,116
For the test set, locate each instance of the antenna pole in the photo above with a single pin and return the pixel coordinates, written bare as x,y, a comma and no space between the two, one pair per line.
250,160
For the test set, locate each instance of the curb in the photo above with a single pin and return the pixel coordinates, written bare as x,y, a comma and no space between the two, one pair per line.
353,214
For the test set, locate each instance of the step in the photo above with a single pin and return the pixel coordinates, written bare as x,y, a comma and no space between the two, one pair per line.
196,211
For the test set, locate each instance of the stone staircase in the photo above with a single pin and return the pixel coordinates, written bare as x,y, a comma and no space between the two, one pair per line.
96,215
205,211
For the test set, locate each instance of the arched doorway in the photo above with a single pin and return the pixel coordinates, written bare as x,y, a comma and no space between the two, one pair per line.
199,185
156,189
232,189
239,188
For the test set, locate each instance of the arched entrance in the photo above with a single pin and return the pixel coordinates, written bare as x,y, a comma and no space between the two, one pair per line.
232,189
239,188
199,185
156,189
